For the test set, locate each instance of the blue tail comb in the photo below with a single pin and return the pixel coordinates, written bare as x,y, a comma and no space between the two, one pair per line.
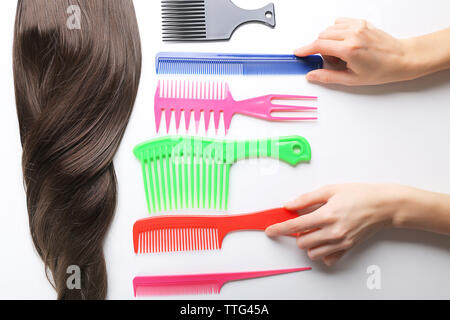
236,64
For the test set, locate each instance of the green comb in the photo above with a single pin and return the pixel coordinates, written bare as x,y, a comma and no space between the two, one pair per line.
193,172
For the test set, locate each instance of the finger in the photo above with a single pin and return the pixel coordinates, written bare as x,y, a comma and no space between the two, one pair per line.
334,34
331,59
324,47
309,209
349,22
337,31
306,200
344,20
306,232
332,76
322,251
342,26
303,223
333,258
314,239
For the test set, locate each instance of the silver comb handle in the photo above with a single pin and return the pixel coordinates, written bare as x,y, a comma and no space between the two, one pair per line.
227,14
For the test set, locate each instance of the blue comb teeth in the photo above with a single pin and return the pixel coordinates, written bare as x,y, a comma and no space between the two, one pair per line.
236,64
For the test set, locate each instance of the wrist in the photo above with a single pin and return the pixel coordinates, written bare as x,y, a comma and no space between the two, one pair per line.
415,59
411,206
394,204
387,204
426,54
401,199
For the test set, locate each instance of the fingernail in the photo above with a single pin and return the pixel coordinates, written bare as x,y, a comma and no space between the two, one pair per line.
290,204
311,76
269,232
298,51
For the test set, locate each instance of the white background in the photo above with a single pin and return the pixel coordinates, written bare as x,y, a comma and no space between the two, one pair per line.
391,133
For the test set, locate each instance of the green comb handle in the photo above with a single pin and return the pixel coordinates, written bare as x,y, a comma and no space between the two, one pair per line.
291,149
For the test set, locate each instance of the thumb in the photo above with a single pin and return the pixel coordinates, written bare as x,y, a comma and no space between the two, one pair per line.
332,76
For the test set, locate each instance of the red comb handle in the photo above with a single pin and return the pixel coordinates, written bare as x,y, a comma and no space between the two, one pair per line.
255,221
259,220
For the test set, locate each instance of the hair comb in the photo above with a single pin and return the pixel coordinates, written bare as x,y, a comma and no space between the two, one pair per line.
235,64
185,96
210,283
193,172
187,233
194,20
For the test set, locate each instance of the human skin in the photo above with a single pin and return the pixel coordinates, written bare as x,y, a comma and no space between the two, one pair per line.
371,56
333,219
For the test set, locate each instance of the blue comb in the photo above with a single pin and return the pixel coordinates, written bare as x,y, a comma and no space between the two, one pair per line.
236,64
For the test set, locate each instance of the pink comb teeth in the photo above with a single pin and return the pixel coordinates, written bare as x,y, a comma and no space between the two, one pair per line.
210,283
206,97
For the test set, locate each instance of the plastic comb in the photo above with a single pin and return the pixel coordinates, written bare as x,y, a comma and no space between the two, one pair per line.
215,98
187,233
237,64
196,20
210,283
193,172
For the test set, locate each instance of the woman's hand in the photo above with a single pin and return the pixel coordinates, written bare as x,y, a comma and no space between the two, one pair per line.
346,214
335,218
372,56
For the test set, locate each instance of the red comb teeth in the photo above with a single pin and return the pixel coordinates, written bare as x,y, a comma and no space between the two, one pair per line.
206,97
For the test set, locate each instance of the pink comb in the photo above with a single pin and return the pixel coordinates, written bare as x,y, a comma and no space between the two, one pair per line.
196,283
177,96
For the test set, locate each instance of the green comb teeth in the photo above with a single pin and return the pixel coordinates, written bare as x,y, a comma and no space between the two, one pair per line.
193,172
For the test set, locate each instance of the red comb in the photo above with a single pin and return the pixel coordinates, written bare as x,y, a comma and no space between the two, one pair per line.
185,233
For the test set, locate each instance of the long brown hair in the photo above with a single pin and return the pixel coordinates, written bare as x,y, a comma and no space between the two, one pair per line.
75,89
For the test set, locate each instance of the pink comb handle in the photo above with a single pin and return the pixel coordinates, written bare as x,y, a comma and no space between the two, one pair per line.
216,98
218,279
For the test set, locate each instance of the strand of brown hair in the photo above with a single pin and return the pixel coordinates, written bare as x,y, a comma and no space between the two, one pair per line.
75,89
